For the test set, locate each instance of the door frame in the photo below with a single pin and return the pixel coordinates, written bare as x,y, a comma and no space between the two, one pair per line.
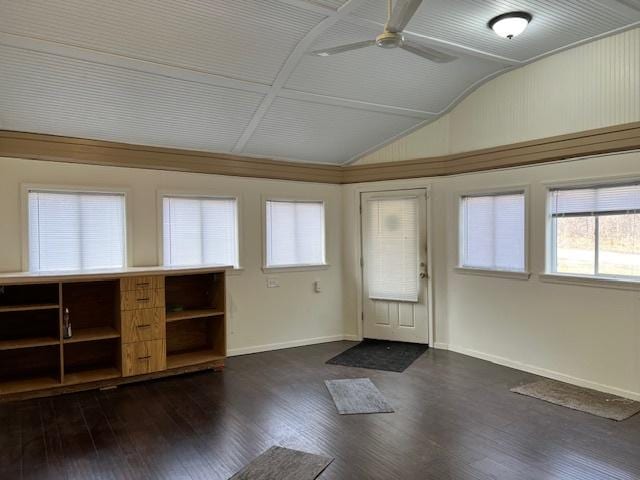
389,187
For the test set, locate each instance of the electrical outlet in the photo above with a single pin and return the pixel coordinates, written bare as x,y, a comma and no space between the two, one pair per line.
273,282
317,287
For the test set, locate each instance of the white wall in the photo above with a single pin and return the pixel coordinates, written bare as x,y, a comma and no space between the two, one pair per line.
591,86
586,335
260,318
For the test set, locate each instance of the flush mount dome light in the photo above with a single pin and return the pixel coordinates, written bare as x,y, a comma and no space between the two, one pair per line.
509,25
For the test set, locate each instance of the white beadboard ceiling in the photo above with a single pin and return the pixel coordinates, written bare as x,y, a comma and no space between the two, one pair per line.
235,75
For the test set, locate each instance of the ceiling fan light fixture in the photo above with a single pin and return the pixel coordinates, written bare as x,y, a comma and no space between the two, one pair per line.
509,25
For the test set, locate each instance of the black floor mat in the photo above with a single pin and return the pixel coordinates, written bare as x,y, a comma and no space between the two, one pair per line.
380,355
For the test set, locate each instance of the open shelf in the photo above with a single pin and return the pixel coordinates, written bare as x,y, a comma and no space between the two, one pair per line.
29,307
15,298
177,360
28,343
193,313
91,361
91,375
92,334
92,304
21,329
23,370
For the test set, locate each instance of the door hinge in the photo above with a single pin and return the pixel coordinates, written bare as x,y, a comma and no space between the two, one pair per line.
362,316
361,262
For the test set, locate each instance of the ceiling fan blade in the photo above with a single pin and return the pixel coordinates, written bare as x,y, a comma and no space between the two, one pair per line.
426,52
343,48
401,14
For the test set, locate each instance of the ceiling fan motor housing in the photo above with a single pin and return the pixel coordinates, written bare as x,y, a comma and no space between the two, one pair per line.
389,40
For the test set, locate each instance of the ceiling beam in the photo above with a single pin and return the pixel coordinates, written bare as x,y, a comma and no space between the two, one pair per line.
357,104
289,66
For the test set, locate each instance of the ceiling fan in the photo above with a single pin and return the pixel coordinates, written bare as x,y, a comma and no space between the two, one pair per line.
392,37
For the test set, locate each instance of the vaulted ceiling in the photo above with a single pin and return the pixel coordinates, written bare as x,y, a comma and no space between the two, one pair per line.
235,76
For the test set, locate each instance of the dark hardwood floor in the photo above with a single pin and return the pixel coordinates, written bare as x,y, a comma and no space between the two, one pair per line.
455,418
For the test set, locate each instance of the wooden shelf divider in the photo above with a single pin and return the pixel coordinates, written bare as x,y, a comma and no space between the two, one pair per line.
29,307
92,334
193,313
27,384
28,343
177,360
90,375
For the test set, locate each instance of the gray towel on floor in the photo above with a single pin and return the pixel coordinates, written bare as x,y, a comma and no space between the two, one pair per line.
280,463
357,395
582,399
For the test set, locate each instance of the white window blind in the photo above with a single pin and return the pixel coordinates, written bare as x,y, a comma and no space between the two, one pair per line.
493,232
596,200
392,249
76,231
200,231
294,233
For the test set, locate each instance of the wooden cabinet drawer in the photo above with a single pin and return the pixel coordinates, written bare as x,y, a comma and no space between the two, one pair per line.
142,325
144,357
153,282
139,299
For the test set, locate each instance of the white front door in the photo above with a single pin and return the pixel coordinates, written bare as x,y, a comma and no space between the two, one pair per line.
394,265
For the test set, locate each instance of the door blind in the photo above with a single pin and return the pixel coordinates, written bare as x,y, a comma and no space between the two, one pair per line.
392,249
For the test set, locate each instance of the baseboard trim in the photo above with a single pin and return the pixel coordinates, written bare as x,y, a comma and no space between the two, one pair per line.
232,352
441,346
543,372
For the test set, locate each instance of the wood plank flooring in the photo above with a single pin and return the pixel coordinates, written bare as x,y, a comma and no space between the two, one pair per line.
455,419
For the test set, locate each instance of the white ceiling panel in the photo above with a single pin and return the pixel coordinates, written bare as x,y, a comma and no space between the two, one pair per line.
322,133
244,39
382,76
556,23
48,94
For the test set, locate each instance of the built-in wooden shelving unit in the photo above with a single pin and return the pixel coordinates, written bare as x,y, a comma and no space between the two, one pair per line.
128,325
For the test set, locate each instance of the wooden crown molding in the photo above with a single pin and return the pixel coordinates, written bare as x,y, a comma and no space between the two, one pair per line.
600,141
96,152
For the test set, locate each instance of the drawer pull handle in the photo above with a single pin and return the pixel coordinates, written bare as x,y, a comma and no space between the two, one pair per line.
146,299
144,358
146,325
145,284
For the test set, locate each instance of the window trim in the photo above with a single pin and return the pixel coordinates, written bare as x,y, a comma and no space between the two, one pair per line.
525,274
293,268
549,275
25,188
196,194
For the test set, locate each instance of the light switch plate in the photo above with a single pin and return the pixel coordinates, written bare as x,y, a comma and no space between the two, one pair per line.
273,282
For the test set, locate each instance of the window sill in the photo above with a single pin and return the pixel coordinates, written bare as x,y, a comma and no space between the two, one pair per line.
585,281
295,268
513,275
235,271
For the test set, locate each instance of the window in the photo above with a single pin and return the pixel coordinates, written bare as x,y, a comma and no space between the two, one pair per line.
493,232
294,233
200,231
596,231
76,230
